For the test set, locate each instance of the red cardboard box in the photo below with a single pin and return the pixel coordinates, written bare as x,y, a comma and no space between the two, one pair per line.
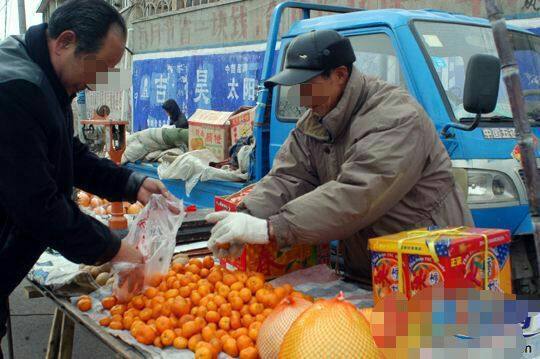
455,256
268,259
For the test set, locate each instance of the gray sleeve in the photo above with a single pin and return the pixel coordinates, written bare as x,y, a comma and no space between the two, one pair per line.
291,177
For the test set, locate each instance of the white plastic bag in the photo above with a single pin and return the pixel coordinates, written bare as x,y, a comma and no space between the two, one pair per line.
153,234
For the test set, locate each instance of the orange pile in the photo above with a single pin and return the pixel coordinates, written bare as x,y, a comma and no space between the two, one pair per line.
202,307
102,206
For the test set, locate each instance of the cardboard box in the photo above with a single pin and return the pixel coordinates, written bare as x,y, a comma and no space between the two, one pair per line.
268,259
211,130
242,123
454,256
231,202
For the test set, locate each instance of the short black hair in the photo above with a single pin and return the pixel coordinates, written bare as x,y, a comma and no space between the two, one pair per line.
90,20
326,73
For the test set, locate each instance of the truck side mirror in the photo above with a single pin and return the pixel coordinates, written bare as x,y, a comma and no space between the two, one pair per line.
481,90
482,84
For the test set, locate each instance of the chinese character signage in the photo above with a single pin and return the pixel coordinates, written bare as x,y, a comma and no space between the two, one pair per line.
221,82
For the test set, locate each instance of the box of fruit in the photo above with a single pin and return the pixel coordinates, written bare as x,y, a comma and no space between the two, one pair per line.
410,261
269,259
211,130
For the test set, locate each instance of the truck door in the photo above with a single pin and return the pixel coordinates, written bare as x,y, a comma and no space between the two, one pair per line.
376,55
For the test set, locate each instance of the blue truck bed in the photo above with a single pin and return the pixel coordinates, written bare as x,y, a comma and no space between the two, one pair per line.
202,195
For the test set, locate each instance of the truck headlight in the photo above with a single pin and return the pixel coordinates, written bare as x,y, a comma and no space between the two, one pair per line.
490,187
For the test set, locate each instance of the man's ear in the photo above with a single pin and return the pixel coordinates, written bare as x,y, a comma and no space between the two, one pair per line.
342,74
65,41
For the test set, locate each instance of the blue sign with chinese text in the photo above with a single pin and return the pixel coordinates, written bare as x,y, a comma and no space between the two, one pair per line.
221,82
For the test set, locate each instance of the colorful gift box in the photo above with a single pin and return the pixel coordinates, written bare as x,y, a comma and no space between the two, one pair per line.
410,261
269,259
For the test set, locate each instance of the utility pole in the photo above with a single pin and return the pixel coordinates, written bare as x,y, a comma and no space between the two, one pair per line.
22,17
6,6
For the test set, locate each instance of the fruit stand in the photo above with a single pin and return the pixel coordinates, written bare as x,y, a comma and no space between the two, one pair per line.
60,343
91,312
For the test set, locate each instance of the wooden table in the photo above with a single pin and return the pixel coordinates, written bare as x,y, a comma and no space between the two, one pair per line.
60,345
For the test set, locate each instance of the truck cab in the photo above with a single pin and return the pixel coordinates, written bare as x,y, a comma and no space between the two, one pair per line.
426,52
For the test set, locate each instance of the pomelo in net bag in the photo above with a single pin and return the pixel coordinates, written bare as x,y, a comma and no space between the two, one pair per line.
277,324
330,329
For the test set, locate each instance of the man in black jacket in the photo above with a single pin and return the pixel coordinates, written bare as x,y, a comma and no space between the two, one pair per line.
41,161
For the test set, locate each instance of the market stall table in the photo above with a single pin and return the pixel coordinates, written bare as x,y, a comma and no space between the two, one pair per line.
61,336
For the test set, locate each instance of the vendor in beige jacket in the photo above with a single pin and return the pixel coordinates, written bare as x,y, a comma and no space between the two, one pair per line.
365,160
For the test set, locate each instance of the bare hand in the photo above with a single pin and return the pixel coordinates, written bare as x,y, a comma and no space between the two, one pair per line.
128,254
152,186
130,280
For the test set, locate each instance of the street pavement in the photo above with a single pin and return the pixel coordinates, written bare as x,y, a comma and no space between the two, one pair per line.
31,320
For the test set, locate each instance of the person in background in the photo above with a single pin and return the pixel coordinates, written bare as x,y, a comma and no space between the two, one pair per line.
176,116
40,74
363,161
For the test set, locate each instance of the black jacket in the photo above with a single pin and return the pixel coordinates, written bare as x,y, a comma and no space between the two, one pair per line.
40,163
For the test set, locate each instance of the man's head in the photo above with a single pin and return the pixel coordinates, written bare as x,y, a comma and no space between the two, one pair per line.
86,38
321,62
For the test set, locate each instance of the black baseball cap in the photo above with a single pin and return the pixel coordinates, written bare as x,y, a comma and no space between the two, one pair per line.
310,54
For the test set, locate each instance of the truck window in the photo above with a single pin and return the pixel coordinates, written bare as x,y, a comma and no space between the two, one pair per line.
375,56
450,46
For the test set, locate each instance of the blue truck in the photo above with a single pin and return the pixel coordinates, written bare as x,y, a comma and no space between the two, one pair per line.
425,52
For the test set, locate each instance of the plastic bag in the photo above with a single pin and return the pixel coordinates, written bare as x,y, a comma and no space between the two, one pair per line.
153,234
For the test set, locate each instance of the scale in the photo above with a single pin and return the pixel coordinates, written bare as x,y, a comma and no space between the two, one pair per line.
116,145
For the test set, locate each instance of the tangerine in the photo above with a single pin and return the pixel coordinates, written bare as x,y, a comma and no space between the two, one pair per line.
145,314
150,292
180,342
185,291
116,325
157,343
230,347
203,352
256,308
108,302
127,322
229,279
189,329
236,303
244,342
214,277
208,262
163,323
254,283
145,334
105,321
208,333
172,293
167,337
249,353
84,304
204,272
225,323
245,295
247,319
212,317
180,307
193,341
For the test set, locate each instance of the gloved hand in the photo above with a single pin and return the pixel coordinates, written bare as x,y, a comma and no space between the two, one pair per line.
233,230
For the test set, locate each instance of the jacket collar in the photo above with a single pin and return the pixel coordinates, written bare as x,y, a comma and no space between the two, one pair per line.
330,127
36,44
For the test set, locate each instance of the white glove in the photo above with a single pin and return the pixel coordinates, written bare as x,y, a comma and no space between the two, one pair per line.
233,230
